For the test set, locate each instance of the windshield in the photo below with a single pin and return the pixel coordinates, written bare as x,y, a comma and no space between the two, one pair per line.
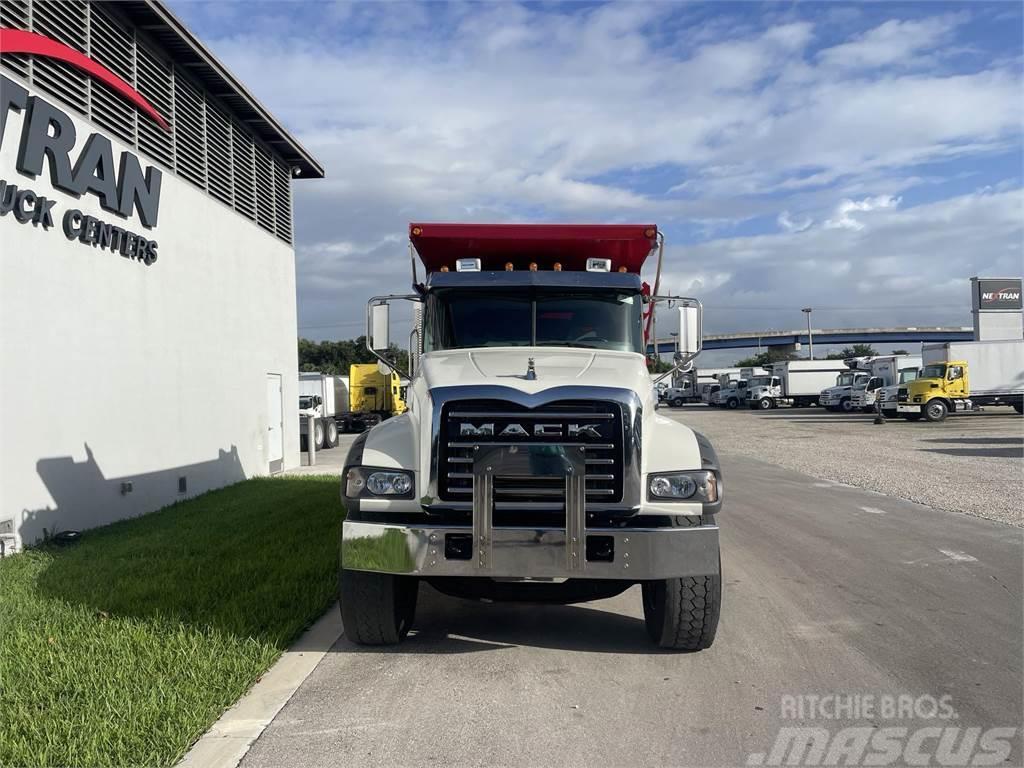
908,375
456,319
846,379
760,381
305,402
935,371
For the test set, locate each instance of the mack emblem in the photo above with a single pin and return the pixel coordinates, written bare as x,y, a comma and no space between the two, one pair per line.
539,430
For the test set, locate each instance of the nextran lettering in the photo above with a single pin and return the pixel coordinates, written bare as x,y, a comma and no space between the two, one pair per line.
49,133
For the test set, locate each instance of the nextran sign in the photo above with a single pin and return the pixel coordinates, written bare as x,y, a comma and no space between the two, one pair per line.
994,294
76,167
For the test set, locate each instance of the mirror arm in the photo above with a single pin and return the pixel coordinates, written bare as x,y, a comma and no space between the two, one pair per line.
685,361
369,327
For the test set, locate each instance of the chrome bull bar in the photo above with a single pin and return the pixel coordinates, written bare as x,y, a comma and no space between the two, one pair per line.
530,552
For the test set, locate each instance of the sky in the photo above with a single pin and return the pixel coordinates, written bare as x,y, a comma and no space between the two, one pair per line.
863,159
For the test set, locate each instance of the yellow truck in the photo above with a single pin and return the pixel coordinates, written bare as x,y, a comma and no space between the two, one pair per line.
373,397
963,376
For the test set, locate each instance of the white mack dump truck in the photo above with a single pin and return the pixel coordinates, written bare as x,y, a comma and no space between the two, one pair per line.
532,463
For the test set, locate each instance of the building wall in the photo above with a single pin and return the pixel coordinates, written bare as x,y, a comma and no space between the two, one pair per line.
115,371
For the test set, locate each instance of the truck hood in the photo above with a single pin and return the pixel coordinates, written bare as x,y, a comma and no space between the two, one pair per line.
554,367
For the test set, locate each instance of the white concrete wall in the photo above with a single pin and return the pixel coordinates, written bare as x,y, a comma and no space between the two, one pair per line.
111,370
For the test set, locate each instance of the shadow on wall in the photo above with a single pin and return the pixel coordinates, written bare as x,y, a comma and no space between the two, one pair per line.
85,498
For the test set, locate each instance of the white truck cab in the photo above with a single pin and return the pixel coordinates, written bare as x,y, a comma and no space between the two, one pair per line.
840,396
532,463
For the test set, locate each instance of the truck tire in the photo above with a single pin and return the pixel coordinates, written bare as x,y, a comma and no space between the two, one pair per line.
331,438
764,403
677,402
936,410
846,405
318,434
682,614
376,608
732,403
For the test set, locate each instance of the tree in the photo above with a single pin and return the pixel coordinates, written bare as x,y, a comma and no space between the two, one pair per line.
857,350
765,358
335,357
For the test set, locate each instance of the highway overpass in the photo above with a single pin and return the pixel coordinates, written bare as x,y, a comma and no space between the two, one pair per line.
879,337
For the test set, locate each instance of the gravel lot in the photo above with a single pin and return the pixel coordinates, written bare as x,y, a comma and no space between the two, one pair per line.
971,463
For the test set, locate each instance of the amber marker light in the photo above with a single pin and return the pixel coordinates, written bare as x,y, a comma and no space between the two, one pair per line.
508,266
417,230
444,269
622,269
558,266
533,266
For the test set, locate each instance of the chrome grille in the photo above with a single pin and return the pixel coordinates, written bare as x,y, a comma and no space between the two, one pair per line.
596,427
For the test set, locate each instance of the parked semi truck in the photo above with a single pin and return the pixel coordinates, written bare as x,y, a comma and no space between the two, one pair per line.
375,395
887,373
532,463
796,383
734,393
688,387
839,396
963,376
325,398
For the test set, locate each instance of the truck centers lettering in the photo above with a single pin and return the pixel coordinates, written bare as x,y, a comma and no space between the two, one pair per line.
124,189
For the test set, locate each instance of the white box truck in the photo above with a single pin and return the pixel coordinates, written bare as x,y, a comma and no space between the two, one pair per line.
324,397
795,382
733,393
887,373
963,375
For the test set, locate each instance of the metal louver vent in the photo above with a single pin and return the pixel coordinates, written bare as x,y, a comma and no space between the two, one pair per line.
207,145
242,167
218,154
283,198
113,46
66,22
189,131
14,15
264,189
155,83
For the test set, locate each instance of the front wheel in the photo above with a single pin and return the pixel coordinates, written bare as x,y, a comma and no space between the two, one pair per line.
376,608
846,405
677,402
936,410
682,614
732,403
764,403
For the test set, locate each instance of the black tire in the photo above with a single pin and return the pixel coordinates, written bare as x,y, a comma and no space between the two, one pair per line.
318,434
935,410
677,402
764,403
912,416
732,403
331,438
846,405
376,608
682,614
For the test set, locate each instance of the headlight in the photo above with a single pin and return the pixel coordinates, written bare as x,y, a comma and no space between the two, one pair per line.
682,486
361,481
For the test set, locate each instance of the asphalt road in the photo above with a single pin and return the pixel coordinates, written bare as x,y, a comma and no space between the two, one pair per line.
829,589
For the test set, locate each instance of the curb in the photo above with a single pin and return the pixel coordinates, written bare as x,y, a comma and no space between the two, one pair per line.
227,741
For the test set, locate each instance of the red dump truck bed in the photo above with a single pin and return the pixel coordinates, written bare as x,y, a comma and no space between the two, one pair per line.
440,245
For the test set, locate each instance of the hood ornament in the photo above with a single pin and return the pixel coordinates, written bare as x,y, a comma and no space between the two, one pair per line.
531,371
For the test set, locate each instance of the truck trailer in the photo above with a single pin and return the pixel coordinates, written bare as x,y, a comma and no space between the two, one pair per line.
797,383
325,398
532,463
963,376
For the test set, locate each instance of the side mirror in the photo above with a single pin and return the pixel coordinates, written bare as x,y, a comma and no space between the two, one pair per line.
689,330
379,339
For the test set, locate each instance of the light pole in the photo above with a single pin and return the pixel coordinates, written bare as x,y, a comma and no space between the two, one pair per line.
810,339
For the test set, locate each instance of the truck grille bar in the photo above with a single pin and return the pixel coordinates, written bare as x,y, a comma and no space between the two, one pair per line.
550,431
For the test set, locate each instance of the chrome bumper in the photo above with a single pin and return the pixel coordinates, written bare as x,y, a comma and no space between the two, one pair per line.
638,553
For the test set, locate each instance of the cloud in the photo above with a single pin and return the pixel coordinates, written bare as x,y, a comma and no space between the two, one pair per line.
708,120
843,219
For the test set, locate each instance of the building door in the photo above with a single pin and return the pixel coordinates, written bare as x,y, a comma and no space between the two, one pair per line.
275,423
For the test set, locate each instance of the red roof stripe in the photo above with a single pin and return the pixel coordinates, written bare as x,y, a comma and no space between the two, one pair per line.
20,41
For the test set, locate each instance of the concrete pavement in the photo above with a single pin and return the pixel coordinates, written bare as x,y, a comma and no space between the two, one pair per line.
828,589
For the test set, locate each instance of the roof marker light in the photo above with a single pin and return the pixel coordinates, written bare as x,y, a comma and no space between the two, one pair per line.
533,266
650,232
599,265
467,265
417,230
622,269
444,269
508,266
558,266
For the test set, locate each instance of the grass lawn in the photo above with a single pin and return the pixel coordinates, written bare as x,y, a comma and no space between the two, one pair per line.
124,648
